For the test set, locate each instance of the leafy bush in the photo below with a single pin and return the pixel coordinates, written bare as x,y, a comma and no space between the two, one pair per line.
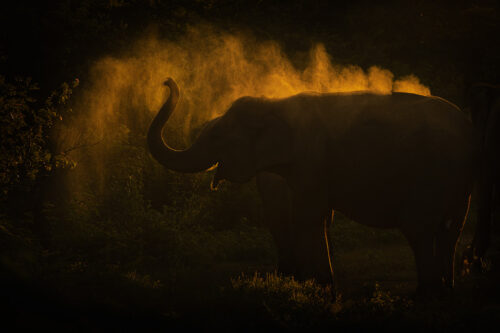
25,130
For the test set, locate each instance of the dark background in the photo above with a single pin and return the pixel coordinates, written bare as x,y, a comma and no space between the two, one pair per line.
64,266
448,44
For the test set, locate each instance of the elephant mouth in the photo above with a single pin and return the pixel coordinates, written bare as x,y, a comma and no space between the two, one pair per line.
218,177
224,172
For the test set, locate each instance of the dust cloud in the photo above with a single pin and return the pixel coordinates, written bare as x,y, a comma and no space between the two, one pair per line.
212,69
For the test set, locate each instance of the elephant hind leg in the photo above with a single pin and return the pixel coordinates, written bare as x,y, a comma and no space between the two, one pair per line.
428,274
446,239
482,235
434,251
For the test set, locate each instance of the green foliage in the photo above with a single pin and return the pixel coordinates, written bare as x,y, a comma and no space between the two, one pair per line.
25,131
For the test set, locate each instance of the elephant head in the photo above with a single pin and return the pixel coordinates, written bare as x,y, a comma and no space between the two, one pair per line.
247,139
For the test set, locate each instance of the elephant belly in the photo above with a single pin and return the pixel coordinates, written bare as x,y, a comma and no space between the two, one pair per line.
389,202
373,212
383,182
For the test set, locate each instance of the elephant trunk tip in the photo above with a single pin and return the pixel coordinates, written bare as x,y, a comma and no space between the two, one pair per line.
169,82
193,159
174,89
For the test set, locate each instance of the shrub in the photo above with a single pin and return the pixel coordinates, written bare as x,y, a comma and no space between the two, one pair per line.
25,129
286,301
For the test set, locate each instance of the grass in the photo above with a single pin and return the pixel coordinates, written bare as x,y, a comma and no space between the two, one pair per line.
128,265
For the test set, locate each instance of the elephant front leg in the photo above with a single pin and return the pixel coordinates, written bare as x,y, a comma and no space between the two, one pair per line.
276,204
311,218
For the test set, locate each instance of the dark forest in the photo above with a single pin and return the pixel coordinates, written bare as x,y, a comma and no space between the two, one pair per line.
96,235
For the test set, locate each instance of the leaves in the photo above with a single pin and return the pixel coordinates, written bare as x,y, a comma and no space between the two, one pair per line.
25,129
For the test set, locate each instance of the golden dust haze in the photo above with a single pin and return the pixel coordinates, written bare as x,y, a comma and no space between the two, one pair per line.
212,69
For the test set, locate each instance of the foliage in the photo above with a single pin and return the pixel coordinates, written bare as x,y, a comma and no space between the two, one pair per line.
379,304
25,131
118,228
284,300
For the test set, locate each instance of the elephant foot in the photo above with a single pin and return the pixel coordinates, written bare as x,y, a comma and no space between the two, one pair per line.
322,278
433,291
286,269
472,263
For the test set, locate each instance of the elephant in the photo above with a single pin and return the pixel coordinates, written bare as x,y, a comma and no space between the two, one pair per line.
277,209
484,103
395,160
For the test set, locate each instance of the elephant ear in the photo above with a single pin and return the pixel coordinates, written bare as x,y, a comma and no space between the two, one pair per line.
274,146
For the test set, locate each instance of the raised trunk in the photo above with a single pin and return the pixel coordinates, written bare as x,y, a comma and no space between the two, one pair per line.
194,159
